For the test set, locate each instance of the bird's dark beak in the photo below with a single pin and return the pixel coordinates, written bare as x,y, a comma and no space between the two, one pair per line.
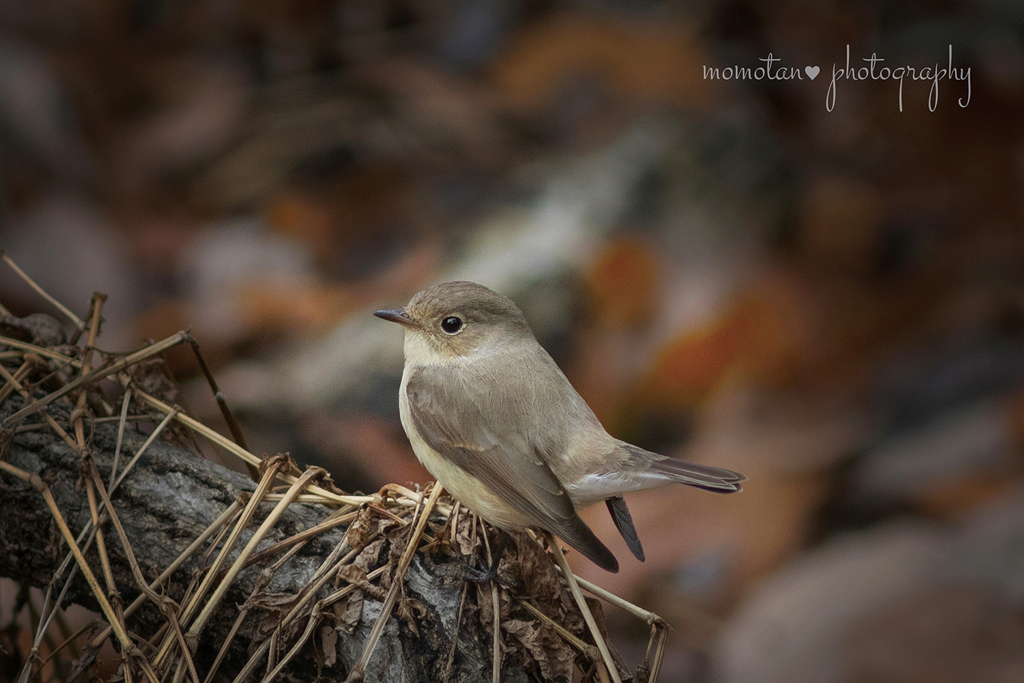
396,315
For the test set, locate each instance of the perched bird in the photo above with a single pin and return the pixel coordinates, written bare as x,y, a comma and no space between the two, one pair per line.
492,417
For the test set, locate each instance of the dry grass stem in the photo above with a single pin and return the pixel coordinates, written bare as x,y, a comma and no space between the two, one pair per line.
14,381
224,518
122,422
606,655
108,611
41,292
496,611
624,605
394,515
256,539
566,634
41,351
115,482
658,642
46,416
98,374
396,585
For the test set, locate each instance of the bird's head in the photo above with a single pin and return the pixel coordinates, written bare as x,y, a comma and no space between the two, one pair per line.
456,320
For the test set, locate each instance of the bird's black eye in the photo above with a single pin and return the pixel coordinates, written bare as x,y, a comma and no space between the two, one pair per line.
451,324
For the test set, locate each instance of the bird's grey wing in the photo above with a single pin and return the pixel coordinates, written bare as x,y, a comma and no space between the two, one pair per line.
449,415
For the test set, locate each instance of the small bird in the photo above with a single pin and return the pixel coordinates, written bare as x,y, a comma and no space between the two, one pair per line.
493,418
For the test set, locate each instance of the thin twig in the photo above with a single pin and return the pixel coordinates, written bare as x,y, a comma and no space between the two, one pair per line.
659,634
356,673
352,587
14,381
108,611
243,612
39,290
574,587
138,454
33,426
51,608
101,544
167,606
125,402
311,624
189,607
225,409
453,521
46,416
224,517
37,483
335,520
256,539
98,374
238,451
67,641
625,605
40,351
331,566
496,609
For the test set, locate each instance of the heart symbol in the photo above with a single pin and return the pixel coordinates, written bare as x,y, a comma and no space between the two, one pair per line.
811,71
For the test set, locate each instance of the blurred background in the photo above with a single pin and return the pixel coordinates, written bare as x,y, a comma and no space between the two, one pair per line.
831,302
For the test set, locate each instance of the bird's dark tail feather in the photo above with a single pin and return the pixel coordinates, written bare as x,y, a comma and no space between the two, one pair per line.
714,479
624,523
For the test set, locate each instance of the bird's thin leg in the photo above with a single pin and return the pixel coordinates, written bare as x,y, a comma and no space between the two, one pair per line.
501,543
474,573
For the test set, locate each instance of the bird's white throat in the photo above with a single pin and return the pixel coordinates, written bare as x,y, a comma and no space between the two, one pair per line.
419,351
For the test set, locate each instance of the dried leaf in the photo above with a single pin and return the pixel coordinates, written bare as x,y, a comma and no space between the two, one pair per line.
271,601
539,643
349,611
484,605
464,534
352,573
359,532
369,558
357,577
151,376
537,579
410,610
328,646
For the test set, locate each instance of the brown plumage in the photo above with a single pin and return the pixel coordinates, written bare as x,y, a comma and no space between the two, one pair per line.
490,414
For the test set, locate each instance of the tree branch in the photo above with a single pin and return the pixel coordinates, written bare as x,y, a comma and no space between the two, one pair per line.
167,500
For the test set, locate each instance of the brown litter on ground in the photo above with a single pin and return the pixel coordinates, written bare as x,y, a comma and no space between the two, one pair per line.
542,613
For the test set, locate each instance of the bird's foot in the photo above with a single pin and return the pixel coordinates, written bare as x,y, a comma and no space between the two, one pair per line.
490,573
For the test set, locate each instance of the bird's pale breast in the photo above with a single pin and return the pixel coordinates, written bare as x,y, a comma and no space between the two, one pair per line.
468,490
